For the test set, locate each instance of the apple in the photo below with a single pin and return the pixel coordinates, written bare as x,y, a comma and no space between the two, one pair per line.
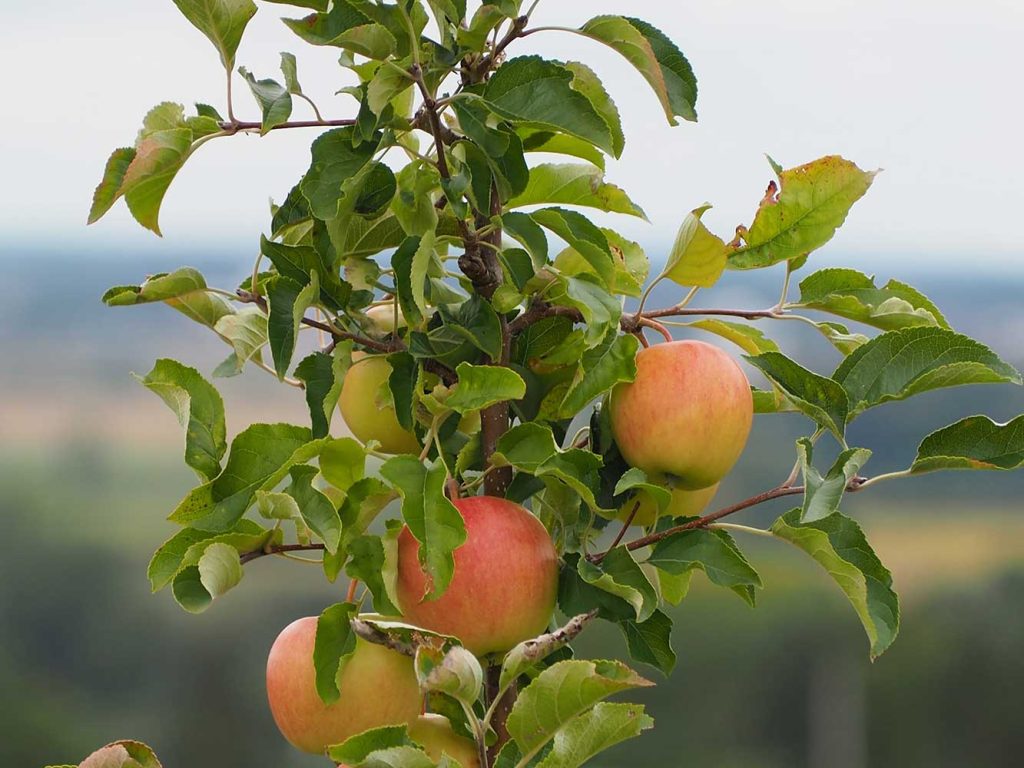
382,319
687,413
378,687
435,734
683,503
365,416
505,583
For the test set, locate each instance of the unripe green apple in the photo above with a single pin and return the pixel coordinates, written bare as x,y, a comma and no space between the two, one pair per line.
505,582
382,319
687,413
378,687
683,503
364,415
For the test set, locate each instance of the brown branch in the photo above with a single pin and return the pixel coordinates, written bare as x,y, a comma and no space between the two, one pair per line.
385,347
235,126
702,522
279,548
479,72
499,719
625,526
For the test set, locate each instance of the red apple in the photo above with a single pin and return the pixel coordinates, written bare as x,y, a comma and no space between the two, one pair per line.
363,411
378,687
505,582
687,413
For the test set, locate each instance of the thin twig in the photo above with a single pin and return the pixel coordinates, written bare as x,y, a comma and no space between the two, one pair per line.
278,549
625,525
235,126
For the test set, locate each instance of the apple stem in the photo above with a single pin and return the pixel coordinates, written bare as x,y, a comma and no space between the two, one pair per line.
350,597
646,322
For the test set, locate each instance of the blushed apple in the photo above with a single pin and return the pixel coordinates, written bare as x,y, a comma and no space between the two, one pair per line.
378,687
686,414
505,583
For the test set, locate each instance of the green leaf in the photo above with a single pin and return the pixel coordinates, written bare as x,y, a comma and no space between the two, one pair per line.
483,385
323,376
812,203
246,332
410,263
649,642
260,457
343,463
635,479
288,304
186,547
121,754
335,642
573,184
583,236
746,337
600,369
586,81
432,519
335,160
387,83
222,21
853,295
660,62
531,448
274,100
219,569
183,289
712,551
473,116
899,364
385,747
414,204
199,408
560,144
317,510
591,733
475,320
325,27
838,545
561,693
600,310
290,70
839,336
698,256
158,158
822,495
820,398
369,564
976,442
538,92
109,188
621,575
454,672
529,233
373,41
527,654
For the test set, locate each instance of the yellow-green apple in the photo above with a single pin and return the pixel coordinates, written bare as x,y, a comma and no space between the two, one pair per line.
686,414
683,503
435,734
378,687
382,319
365,415
505,582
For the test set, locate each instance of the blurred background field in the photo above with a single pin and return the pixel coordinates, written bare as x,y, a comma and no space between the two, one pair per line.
90,464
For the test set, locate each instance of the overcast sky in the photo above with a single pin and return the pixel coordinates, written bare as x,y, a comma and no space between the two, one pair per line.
929,90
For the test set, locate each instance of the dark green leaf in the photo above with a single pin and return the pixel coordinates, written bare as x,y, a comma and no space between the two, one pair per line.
976,442
649,642
335,642
274,99
600,369
109,188
483,385
369,564
222,21
714,552
335,161
316,509
817,397
288,304
822,495
899,364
